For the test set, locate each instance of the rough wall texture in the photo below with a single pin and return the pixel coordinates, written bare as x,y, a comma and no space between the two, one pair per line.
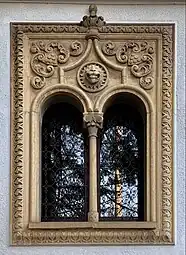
70,13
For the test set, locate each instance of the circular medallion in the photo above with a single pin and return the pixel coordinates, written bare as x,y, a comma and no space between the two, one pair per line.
92,76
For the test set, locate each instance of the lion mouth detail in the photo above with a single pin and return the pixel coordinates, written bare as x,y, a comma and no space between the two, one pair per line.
93,78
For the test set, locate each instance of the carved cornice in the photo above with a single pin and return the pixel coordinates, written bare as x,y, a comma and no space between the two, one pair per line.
76,28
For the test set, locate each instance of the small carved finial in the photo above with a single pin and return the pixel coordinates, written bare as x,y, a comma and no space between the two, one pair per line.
93,10
92,20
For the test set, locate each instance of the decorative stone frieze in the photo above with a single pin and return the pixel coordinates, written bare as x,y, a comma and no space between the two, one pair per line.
91,63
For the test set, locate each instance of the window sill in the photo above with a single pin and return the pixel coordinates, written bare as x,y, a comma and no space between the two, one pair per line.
98,225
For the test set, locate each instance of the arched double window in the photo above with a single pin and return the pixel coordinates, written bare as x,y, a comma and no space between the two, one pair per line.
121,163
92,133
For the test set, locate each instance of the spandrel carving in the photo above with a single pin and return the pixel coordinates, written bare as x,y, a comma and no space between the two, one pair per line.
48,55
138,56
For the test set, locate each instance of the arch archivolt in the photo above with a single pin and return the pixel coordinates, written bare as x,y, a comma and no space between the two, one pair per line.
88,105
61,89
116,90
40,102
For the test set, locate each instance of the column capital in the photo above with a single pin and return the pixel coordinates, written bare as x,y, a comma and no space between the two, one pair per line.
93,121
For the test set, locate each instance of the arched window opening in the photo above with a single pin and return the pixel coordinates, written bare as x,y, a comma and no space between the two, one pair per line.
64,185
122,162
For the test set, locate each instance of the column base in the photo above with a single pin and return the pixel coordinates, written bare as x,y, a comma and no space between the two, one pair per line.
93,216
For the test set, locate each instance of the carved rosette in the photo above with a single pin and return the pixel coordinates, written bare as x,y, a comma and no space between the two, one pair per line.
92,76
47,56
138,56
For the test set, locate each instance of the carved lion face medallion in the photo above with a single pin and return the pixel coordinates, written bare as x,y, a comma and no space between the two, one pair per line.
92,76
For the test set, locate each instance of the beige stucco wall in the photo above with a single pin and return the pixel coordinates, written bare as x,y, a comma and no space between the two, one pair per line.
111,13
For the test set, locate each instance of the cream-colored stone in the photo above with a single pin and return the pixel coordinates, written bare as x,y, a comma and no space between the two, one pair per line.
46,66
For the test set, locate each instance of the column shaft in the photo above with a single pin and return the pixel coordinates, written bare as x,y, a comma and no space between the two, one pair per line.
93,121
93,213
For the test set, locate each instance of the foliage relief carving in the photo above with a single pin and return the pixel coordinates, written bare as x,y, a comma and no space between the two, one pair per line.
137,55
17,135
47,56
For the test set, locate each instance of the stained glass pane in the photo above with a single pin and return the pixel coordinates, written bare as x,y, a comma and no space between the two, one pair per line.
122,164
64,173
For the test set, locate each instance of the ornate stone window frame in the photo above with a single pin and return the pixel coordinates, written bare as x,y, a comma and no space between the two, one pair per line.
150,79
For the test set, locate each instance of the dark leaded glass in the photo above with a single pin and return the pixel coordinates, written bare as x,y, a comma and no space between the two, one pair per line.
64,173
122,164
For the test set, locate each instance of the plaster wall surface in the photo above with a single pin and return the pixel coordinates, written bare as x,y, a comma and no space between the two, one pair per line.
74,13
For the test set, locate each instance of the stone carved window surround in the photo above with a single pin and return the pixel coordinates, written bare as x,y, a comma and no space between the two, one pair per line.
51,60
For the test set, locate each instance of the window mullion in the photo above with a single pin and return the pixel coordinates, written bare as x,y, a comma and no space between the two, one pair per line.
93,122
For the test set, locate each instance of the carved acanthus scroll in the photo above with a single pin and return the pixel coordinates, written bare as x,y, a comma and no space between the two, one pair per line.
137,55
47,56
